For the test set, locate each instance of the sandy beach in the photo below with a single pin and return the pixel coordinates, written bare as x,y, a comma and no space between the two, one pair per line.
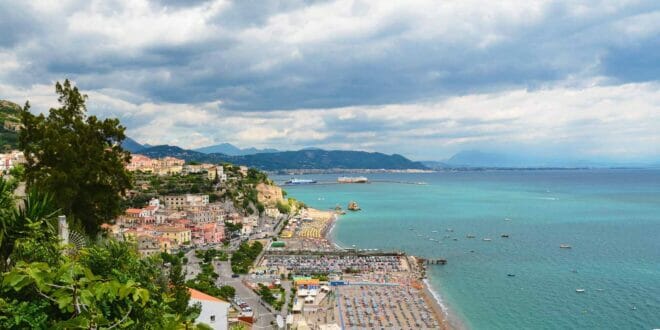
431,297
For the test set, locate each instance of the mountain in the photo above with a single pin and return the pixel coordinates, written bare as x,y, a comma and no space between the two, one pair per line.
9,119
132,145
301,159
232,150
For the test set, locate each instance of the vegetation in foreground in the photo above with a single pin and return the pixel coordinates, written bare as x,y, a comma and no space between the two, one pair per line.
75,166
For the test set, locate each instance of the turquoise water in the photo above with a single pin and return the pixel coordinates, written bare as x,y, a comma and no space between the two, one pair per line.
611,218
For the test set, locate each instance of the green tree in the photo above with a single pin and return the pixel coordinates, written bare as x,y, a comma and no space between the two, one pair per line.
76,158
33,218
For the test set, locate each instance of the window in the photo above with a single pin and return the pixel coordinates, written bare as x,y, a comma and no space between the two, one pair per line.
212,318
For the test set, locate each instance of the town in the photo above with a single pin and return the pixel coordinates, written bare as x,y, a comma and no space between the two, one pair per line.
256,258
295,277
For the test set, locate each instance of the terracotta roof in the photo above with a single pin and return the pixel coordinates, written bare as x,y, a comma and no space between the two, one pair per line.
194,294
133,211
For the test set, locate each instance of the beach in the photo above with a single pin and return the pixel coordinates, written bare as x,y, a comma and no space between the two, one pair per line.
430,297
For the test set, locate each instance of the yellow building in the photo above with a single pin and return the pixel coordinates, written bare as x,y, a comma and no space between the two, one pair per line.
175,235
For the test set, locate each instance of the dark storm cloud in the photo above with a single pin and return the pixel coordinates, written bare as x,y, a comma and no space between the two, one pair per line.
388,64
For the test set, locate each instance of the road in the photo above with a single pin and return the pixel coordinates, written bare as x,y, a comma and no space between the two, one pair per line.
263,315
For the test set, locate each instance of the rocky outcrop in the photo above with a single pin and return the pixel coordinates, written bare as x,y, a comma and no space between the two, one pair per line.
269,195
353,206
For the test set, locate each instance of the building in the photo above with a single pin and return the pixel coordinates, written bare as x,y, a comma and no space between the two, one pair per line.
148,245
214,311
184,201
203,216
175,234
161,166
9,160
217,171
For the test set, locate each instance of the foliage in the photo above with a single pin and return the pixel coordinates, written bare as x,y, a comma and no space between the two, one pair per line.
242,259
283,207
231,227
33,221
8,112
104,285
18,172
210,254
76,158
205,282
266,294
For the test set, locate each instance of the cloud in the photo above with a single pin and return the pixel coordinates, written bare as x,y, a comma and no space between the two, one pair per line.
418,77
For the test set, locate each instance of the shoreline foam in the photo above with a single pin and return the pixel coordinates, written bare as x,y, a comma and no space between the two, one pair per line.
449,320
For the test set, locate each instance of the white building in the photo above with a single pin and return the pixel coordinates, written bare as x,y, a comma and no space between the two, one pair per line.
214,311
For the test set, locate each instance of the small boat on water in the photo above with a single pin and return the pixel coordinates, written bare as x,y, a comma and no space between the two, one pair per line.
505,235
580,290
511,275
564,246
434,231
450,230
488,239
470,236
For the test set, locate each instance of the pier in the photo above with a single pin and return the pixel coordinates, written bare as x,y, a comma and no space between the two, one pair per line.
439,261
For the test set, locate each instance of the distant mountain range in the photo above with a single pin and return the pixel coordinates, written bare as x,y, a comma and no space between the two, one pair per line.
232,150
301,159
481,159
132,145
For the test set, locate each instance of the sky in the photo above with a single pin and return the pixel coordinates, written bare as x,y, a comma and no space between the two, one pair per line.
426,79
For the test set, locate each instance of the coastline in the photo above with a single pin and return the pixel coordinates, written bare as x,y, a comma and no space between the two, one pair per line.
449,320
432,298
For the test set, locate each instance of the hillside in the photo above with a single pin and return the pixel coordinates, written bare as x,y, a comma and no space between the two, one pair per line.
302,159
131,145
9,119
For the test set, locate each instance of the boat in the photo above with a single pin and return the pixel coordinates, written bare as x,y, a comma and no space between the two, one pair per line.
580,290
511,275
487,239
505,235
564,246
450,230
470,236
300,181
352,179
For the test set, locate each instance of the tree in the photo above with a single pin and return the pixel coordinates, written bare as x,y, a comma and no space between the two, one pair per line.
24,223
76,158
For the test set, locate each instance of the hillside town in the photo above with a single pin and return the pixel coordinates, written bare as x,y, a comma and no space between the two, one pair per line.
234,225
300,280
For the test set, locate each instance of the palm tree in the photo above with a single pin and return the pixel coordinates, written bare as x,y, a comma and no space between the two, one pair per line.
34,218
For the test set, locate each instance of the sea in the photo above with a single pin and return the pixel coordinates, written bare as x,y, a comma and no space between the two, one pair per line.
609,217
